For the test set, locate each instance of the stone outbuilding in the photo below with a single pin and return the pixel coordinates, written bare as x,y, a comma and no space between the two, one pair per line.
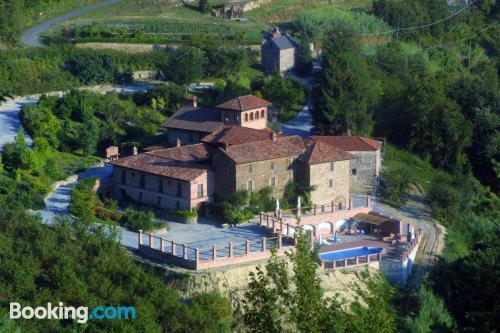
278,51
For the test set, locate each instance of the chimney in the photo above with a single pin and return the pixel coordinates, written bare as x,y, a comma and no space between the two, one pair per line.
178,143
134,150
348,132
274,136
192,101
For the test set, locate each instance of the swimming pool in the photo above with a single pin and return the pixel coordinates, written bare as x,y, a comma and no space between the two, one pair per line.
349,253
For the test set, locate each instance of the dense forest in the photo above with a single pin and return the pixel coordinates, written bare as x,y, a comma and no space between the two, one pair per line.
433,90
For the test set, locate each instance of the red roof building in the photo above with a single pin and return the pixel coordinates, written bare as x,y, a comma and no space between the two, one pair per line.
245,103
350,143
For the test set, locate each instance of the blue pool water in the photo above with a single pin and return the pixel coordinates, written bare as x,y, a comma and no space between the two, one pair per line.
349,253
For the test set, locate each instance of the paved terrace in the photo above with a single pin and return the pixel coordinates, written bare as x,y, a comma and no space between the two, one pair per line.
208,233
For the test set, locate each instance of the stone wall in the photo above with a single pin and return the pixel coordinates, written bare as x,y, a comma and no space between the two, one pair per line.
287,60
208,181
270,56
263,172
169,198
127,47
274,59
320,176
367,165
225,170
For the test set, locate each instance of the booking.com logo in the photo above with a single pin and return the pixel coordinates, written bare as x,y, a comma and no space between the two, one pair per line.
81,313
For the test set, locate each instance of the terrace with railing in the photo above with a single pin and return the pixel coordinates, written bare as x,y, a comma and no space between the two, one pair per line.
280,226
284,222
202,258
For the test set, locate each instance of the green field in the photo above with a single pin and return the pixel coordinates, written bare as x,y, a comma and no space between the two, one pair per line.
286,10
170,22
157,22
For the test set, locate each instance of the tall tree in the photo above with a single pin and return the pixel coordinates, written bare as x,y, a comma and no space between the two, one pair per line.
90,128
277,301
186,65
345,92
304,59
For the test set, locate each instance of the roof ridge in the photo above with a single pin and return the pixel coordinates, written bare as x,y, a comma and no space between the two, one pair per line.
368,141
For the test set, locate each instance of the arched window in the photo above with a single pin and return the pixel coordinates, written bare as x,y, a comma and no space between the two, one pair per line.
251,115
246,116
257,115
262,114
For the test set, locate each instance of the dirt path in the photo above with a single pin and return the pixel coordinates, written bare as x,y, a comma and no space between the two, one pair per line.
417,212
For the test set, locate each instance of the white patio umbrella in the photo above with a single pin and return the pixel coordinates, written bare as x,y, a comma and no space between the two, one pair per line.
277,205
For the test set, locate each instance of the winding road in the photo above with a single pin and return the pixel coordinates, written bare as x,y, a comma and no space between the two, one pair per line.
32,35
57,202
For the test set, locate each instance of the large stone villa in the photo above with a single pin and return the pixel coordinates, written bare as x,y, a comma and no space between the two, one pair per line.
217,151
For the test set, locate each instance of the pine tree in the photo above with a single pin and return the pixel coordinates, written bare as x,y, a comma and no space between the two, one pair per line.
90,129
304,58
345,91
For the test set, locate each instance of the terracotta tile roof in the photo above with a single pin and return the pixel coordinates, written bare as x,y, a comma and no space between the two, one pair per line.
152,148
266,150
199,119
245,103
163,167
200,152
321,152
350,143
235,135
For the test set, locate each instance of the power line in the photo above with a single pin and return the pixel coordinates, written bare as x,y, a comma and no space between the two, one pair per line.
458,12
454,41
386,66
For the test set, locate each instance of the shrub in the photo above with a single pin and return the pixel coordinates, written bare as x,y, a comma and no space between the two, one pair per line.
396,185
233,214
291,193
138,220
314,23
184,213
84,200
108,214
262,201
